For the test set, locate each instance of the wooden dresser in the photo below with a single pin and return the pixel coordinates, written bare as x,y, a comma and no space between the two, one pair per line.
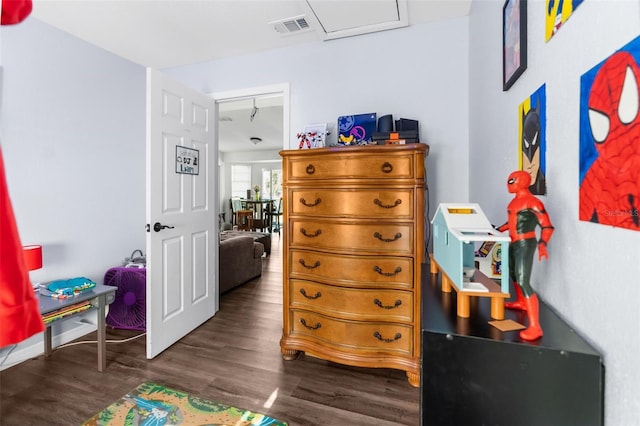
353,248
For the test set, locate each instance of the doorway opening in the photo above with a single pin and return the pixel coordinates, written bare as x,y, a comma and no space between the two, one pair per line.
252,127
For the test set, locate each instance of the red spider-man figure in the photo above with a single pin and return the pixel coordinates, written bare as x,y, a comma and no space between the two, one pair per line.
610,190
525,213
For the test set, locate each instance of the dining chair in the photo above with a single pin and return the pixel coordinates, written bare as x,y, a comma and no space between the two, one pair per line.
274,217
245,220
236,206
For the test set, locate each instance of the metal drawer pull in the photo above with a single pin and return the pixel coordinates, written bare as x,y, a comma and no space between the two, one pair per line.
315,234
304,293
387,274
315,203
315,265
387,240
378,336
387,206
310,169
379,303
310,327
387,167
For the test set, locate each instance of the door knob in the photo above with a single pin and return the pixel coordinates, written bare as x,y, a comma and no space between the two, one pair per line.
159,227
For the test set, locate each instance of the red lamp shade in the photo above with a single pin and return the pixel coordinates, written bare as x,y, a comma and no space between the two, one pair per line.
32,257
15,11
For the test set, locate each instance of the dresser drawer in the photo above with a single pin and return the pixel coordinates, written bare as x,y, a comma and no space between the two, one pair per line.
394,238
354,271
373,203
352,166
353,335
351,303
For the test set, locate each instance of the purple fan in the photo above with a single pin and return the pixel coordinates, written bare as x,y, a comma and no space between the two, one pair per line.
128,310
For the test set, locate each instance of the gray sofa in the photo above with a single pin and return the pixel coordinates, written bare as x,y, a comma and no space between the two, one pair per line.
261,237
240,261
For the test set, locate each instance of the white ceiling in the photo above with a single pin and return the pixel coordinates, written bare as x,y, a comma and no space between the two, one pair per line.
168,33
236,128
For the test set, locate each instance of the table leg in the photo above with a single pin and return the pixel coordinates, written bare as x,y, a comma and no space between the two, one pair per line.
445,284
47,342
433,266
271,210
463,305
497,308
267,219
102,334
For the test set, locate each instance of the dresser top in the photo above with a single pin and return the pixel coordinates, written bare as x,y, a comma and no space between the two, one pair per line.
358,148
439,316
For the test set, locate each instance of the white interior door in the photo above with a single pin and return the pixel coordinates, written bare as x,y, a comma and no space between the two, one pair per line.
182,217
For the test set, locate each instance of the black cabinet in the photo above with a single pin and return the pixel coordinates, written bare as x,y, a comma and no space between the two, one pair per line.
475,374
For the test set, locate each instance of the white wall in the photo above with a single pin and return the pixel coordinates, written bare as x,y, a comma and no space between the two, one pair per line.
419,72
73,140
591,278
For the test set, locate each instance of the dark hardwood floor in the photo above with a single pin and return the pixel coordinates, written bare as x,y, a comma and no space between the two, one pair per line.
234,358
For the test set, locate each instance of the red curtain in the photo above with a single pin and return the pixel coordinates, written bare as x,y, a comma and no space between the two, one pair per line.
19,310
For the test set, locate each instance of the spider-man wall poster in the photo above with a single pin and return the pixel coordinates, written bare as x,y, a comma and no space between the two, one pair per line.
610,140
533,142
557,13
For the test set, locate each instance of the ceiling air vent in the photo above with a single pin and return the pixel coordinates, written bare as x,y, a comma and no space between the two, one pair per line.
291,25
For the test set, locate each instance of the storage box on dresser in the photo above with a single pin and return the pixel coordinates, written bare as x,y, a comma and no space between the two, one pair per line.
353,249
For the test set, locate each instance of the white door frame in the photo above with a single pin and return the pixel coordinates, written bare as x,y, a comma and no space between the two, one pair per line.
252,92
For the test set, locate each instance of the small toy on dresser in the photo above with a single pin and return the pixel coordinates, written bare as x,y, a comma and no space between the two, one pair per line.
313,136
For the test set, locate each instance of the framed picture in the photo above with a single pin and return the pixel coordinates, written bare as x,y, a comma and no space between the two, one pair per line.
313,136
532,145
514,41
356,129
557,14
187,160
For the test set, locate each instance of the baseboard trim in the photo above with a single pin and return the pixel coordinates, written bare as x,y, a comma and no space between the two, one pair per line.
35,347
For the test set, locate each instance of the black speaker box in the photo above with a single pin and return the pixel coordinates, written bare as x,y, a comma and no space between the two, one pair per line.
385,123
405,124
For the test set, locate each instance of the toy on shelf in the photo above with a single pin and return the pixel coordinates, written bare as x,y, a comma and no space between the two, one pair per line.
313,136
525,213
457,228
303,141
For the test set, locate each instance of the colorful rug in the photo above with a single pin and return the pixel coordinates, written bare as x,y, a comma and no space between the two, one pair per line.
151,404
